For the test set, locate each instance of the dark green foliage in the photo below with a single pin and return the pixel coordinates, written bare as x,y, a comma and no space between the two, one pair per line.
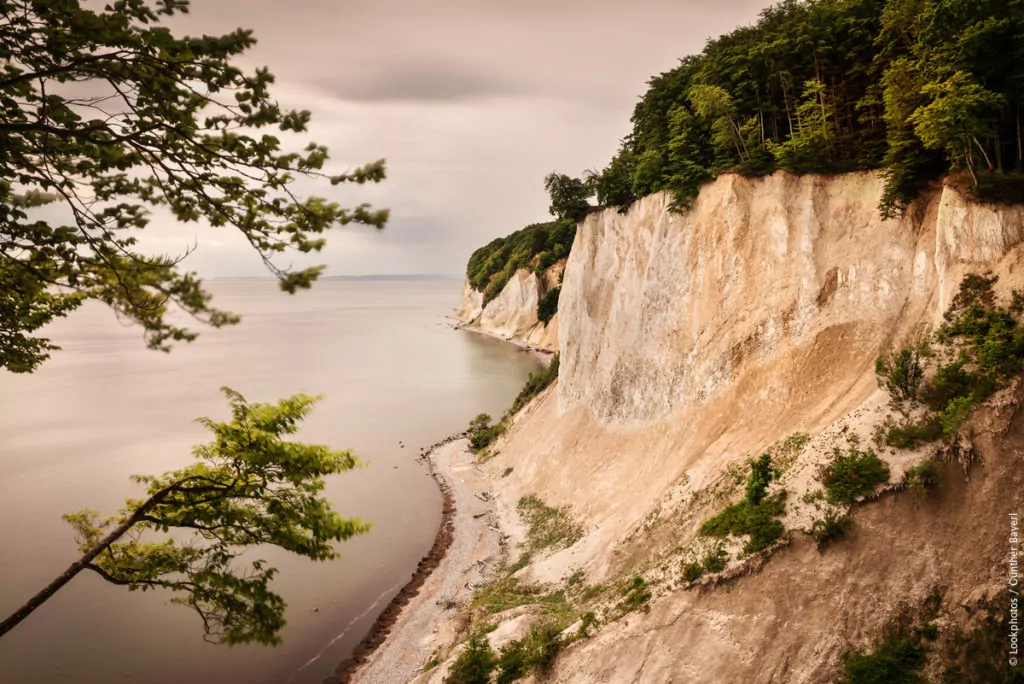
547,306
475,664
512,662
914,87
755,514
895,662
900,372
716,560
535,384
481,433
912,433
109,112
568,196
635,595
693,571
1000,188
761,475
756,520
537,246
533,654
830,528
853,475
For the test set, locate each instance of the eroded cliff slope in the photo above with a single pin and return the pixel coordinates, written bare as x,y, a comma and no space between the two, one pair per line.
692,342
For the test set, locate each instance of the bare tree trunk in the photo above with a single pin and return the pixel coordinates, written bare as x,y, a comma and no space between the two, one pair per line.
983,152
81,564
785,98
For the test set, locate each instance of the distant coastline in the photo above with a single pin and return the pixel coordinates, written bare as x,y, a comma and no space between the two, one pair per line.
401,277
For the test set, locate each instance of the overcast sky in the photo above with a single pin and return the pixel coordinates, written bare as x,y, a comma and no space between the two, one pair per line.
471,102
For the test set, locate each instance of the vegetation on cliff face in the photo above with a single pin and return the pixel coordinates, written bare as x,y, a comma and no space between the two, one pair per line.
537,247
482,434
981,344
914,87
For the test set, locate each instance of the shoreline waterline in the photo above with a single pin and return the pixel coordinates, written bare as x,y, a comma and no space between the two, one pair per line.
381,628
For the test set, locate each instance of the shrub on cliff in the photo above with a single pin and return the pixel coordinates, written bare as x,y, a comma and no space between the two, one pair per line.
547,306
481,433
901,371
535,384
853,475
475,664
756,514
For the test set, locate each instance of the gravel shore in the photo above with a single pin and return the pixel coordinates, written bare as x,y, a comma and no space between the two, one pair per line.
473,549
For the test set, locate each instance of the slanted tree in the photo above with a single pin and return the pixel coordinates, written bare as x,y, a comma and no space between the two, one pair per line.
106,115
248,487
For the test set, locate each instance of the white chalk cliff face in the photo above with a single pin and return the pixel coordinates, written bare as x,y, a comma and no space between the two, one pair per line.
512,315
691,342
660,311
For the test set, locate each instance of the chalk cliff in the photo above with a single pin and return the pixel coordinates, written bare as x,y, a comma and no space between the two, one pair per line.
512,315
690,342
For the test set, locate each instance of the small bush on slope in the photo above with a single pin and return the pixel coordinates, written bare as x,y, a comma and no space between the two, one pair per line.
475,664
755,514
853,475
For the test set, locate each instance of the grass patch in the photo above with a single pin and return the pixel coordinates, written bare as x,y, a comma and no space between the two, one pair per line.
635,596
756,514
548,528
853,475
547,306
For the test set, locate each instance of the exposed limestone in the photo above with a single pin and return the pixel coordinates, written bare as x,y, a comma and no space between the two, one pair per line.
692,342
512,315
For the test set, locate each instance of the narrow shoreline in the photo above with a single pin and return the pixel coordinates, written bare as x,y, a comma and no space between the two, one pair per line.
382,626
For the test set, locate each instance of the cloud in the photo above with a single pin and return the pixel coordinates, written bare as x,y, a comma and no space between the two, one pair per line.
470,102
417,81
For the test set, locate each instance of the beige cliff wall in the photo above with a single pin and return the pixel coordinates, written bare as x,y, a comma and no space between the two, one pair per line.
690,342
512,315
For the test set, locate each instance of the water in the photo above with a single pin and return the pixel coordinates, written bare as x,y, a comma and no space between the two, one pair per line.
105,407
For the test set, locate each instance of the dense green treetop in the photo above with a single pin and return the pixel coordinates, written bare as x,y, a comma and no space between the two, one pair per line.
913,87
106,114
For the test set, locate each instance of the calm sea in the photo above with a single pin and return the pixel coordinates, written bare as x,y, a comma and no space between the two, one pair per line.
392,370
